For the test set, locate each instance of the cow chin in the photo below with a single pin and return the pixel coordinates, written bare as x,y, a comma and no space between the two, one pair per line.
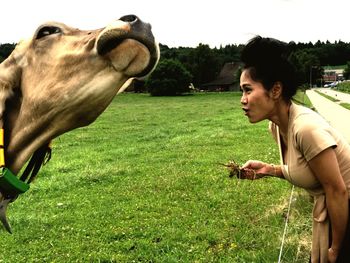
130,57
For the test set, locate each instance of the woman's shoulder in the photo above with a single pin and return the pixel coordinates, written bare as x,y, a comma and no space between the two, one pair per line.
302,118
310,130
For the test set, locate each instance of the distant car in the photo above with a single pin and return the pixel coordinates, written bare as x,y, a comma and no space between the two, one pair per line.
331,85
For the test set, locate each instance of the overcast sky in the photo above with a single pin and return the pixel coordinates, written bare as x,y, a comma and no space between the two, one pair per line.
189,22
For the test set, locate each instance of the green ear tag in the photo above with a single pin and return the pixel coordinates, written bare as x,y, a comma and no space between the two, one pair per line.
10,184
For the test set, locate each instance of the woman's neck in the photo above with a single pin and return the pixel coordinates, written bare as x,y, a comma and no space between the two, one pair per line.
281,115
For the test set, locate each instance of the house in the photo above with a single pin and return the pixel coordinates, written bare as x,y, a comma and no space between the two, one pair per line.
332,75
227,79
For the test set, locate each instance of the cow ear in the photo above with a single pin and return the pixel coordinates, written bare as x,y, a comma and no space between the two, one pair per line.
10,76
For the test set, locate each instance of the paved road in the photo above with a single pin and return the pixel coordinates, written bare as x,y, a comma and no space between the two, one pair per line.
341,96
336,115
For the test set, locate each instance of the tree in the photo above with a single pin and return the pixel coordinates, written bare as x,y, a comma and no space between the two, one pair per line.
307,66
5,50
346,72
170,78
204,64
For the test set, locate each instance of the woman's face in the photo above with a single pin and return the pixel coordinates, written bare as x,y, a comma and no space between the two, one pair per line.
256,100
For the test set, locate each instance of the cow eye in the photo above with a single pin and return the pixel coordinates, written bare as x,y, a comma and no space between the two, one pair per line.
47,30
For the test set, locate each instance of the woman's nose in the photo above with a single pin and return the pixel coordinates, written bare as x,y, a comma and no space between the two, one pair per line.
243,99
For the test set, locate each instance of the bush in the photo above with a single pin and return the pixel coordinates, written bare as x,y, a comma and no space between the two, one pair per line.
346,72
343,86
170,78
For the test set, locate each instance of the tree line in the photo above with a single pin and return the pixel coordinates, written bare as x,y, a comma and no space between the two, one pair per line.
204,63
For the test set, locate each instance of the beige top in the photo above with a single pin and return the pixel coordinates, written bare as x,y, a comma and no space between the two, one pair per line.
308,135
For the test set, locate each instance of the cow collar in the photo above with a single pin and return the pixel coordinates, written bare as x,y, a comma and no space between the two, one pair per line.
12,185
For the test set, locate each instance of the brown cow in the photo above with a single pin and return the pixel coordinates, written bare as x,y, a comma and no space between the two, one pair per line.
63,78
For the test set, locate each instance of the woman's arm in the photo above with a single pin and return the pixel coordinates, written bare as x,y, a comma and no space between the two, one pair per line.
264,168
326,169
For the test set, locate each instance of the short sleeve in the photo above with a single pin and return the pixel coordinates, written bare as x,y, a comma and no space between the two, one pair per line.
312,139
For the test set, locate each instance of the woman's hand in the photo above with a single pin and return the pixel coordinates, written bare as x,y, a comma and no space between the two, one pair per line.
332,255
258,166
262,168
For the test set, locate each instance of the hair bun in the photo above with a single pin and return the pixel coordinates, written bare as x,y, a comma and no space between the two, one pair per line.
259,50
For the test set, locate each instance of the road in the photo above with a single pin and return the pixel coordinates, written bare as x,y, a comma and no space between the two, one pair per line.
336,115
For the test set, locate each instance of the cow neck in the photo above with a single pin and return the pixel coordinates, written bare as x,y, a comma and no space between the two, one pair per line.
12,185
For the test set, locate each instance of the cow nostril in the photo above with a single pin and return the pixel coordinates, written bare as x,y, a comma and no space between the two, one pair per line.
129,18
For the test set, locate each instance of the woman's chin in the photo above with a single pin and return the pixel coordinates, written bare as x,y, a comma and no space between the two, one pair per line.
253,120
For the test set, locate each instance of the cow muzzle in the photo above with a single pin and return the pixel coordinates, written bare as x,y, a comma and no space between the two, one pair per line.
129,27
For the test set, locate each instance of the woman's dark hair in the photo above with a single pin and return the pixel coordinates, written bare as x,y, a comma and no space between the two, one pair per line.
266,60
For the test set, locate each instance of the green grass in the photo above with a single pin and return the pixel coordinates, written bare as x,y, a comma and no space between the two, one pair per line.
343,87
302,98
143,184
345,105
335,67
327,96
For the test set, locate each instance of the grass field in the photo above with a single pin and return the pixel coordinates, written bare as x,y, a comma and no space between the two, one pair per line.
143,184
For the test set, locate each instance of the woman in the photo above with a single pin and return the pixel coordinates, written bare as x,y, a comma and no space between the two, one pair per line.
312,154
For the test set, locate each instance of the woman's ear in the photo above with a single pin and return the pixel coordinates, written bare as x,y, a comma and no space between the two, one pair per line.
276,91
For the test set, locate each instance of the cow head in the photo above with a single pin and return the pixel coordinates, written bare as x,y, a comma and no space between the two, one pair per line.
63,78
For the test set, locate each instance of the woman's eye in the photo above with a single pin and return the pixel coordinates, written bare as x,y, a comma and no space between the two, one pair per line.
47,30
246,90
